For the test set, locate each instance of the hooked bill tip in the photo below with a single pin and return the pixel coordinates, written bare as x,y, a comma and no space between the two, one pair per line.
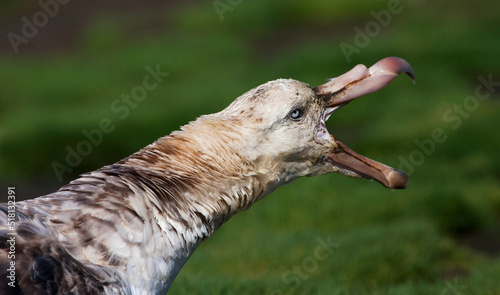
393,65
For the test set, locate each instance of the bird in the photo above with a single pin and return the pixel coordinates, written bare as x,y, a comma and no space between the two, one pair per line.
129,227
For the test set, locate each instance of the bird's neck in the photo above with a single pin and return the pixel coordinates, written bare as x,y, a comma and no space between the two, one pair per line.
201,174
193,183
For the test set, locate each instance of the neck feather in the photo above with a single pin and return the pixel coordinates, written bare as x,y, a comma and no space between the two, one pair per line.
193,181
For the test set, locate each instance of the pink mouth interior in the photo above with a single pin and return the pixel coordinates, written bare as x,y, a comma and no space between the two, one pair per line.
340,91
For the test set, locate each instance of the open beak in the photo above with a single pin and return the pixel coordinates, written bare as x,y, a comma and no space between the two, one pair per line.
347,87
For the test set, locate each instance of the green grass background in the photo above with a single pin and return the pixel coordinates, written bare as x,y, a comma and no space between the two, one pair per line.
389,242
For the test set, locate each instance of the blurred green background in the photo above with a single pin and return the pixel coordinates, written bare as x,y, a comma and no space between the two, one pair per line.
439,236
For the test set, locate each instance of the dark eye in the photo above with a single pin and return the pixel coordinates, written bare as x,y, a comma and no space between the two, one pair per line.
296,114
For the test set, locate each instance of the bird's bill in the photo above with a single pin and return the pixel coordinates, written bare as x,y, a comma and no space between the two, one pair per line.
349,86
364,167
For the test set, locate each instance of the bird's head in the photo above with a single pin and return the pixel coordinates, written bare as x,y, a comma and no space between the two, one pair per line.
284,125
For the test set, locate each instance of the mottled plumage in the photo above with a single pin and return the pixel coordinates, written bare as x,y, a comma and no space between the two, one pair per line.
129,227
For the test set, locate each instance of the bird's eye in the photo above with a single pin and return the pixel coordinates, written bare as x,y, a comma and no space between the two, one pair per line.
296,114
